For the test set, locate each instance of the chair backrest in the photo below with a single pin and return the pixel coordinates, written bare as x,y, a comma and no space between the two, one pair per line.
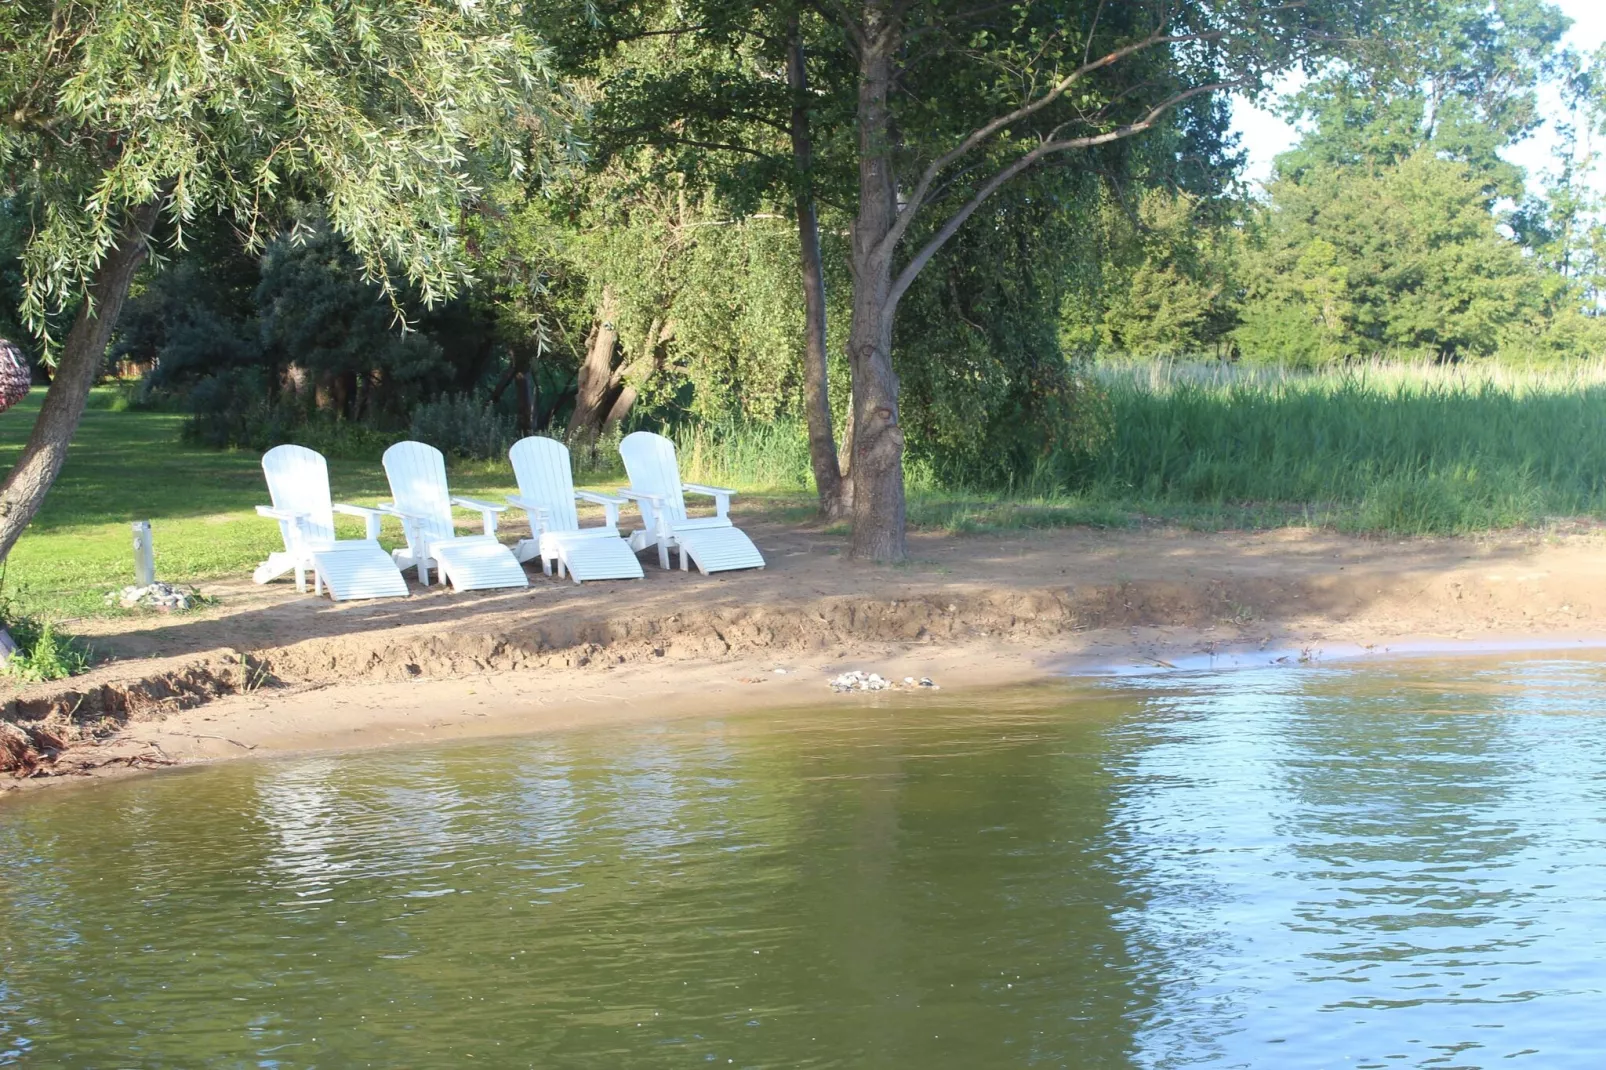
541,466
417,476
298,482
650,463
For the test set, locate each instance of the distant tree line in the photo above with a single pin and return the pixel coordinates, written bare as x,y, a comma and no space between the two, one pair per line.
1394,228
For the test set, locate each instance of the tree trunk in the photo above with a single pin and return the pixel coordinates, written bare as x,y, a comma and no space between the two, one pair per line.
627,382
526,403
623,402
877,468
596,374
82,355
816,383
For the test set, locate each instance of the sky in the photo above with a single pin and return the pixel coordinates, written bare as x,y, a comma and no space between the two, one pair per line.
1265,135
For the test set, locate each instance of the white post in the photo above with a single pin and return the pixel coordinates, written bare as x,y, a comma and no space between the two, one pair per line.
144,554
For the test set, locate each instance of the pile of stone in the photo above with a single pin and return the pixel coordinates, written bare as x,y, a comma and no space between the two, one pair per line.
859,680
163,597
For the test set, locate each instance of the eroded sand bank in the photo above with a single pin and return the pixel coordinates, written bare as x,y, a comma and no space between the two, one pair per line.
269,671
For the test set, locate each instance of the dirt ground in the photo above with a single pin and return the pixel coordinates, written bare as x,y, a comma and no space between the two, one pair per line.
271,671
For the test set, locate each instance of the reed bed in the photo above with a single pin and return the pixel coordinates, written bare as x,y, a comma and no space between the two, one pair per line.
1402,448
1373,447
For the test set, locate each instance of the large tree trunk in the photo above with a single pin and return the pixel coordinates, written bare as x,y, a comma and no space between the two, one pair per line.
816,383
82,355
877,467
596,374
628,381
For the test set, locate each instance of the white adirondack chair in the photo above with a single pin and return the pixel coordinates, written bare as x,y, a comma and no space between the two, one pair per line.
712,543
298,484
417,475
547,494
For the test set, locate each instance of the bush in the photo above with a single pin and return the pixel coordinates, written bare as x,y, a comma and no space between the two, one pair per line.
231,408
464,425
42,652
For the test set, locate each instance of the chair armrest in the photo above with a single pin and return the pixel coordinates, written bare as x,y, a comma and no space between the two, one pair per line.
389,509
539,517
649,505
487,511
475,503
610,504
281,514
712,492
721,496
516,501
371,517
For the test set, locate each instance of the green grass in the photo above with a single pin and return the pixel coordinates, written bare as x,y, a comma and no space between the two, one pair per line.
1391,448
43,652
1385,448
127,465
1380,448
131,465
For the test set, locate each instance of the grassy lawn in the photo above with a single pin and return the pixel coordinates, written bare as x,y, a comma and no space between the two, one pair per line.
1386,448
129,465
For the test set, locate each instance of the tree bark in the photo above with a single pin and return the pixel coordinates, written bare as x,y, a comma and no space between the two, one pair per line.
828,481
526,400
596,374
877,467
627,382
82,356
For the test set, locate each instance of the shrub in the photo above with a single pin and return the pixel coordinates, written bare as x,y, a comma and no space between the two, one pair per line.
465,425
42,652
231,408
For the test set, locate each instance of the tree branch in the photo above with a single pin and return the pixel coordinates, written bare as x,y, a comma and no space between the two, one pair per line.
982,133
906,277
840,15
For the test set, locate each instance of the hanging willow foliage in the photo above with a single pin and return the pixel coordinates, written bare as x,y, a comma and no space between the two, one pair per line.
388,112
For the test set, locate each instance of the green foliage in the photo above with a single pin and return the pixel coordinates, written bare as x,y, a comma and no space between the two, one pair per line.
319,316
231,408
42,652
464,425
768,455
988,393
738,318
290,345
385,112
1405,259
1457,78
1163,283
1408,449
1385,231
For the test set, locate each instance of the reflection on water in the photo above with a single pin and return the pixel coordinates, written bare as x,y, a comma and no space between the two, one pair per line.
1275,868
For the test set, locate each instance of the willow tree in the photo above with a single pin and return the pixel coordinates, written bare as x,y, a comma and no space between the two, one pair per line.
121,121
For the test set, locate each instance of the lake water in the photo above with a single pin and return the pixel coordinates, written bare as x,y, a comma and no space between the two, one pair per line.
1377,866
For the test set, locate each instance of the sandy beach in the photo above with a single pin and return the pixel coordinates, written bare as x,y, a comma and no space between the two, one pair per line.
268,671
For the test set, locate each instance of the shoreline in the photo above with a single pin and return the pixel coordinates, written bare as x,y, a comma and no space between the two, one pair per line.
357,718
269,673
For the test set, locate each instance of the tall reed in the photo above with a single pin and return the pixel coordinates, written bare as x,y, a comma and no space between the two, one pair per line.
1391,447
